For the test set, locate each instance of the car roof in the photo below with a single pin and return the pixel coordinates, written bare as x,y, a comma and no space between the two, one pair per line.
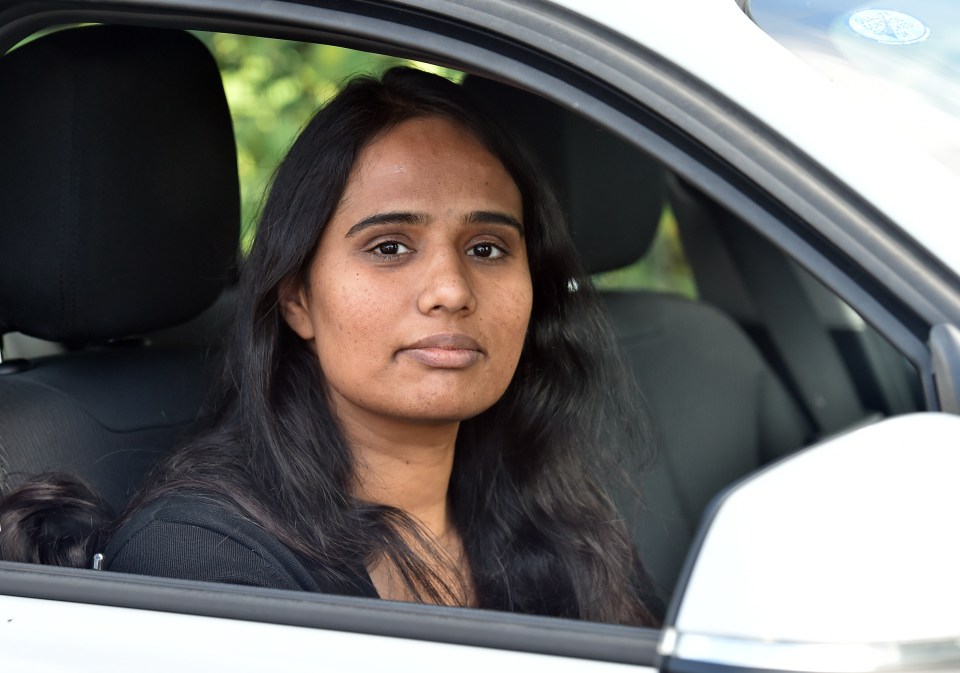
718,44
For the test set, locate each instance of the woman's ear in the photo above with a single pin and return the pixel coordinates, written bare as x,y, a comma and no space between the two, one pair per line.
295,305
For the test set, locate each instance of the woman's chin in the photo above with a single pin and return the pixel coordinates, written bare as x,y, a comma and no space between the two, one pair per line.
441,414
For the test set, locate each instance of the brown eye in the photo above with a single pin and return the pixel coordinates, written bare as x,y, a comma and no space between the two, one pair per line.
390,248
485,250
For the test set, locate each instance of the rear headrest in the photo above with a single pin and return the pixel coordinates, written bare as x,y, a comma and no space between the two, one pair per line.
612,193
119,196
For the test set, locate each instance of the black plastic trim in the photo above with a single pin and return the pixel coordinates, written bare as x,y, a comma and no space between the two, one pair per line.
945,349
477,628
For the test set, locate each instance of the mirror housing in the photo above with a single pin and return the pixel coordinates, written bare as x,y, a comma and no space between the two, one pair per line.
842,558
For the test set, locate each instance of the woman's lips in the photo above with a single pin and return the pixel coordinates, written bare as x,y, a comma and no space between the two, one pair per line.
444,351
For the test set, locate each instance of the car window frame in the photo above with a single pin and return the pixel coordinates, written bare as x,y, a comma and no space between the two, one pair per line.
432,623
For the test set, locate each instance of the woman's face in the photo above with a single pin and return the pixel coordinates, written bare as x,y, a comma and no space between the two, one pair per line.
419,292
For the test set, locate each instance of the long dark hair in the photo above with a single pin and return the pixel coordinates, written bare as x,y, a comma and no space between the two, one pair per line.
539,532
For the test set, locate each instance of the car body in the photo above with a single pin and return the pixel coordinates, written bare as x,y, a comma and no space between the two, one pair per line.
696,84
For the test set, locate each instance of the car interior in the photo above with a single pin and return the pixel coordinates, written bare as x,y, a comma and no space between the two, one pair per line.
120,225
120,218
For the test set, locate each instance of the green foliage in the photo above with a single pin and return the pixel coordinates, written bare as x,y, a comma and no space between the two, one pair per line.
274,87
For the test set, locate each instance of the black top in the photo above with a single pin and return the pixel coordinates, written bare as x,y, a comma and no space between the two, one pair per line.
198,537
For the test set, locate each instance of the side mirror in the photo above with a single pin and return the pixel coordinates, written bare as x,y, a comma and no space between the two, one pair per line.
844,558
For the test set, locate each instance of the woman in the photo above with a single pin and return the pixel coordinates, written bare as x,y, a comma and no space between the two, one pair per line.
416,387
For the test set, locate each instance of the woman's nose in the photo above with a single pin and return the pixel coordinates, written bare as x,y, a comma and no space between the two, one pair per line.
447,286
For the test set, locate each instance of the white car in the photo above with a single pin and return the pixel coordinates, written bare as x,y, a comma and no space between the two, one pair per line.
802,512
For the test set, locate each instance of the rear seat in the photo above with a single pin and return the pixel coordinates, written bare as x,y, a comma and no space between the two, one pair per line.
717,408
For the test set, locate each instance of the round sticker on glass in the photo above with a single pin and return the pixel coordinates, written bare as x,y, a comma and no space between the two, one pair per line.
888,27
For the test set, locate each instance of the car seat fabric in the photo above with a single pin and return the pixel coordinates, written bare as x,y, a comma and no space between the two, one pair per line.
120,210
717,409
119,215
775,306
719,413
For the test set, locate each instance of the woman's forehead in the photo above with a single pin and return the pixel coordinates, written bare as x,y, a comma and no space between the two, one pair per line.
432,137
429,161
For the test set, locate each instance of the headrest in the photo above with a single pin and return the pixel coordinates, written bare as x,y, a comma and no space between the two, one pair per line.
119,196
612,193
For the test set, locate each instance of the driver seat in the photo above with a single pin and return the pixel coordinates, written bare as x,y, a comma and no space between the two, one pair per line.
119,216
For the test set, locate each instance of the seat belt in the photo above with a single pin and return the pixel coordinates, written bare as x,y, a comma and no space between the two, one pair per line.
796,331
747,277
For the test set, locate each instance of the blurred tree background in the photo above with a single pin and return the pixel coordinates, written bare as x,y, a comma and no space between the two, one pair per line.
275,86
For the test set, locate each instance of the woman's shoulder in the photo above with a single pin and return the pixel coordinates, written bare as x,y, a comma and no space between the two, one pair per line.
199,536
191,508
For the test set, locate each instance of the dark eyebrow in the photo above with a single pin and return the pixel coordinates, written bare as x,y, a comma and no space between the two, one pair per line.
397,217
401,217
492,217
